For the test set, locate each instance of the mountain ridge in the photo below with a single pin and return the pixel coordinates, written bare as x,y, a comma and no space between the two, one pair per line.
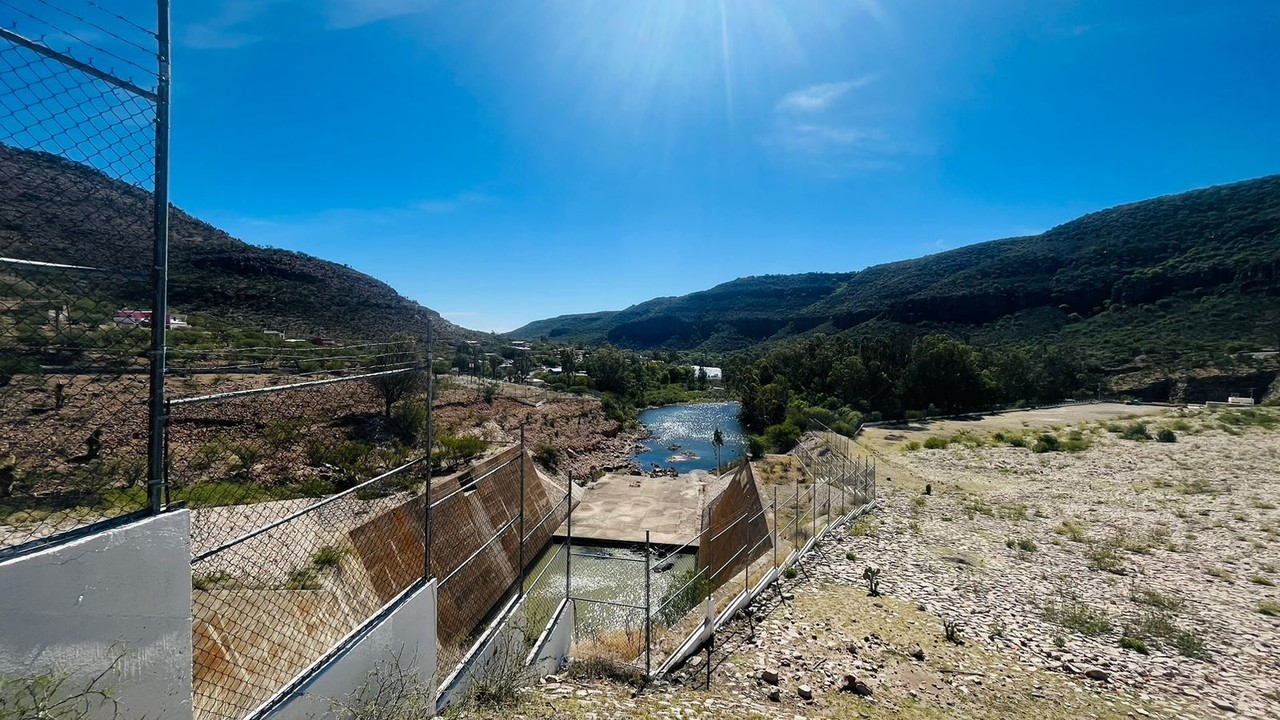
1221,243
54,210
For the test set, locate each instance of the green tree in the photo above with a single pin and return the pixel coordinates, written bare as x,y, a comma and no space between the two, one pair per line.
717,440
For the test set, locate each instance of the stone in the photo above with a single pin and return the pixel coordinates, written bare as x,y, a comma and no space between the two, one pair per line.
805,692
769,676
775,695
1097,674
855,686
693,662
1222,705
916,652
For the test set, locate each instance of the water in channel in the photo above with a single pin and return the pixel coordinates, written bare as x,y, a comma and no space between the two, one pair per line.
609,574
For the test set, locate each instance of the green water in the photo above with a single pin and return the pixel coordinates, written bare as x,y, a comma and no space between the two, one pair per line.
609,574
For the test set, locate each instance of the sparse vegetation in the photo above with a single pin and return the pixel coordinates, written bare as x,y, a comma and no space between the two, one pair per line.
1134,644
1075,615
1069,529
50,695
1156,599
327,557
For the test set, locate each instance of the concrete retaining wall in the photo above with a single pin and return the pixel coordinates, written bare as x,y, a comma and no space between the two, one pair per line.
118,600
400,642
551,652
737,529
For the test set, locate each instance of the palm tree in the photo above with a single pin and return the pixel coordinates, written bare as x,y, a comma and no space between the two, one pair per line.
717,439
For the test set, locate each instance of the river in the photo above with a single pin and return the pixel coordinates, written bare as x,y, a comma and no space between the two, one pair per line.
690,427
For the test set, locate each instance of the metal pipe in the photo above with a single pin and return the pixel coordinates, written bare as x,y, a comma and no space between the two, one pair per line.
159,268
92,71
280,388
308,509
520,590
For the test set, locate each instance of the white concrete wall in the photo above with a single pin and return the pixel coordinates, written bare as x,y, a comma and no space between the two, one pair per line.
505,633
551,652
406,636
125,592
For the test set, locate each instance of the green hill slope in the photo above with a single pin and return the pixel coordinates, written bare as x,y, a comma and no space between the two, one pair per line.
1161,275
56,211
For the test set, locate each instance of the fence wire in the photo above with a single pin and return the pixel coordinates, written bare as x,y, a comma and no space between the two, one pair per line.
78,230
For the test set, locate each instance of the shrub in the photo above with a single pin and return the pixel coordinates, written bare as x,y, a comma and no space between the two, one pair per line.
1075,615
547,455
1269,607
1071,531
1135,431
912,446
782,437
1165,435
1157,599
1103,556
755,447
1133,644
454,449
1046,443
937,442
790,573
1159,628
410,421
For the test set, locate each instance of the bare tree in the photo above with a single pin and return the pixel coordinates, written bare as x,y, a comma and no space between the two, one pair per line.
401,353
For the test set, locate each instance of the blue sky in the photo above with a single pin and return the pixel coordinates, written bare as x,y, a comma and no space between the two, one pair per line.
507,161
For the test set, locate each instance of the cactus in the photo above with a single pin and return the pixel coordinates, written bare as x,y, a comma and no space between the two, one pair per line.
872,576
951,629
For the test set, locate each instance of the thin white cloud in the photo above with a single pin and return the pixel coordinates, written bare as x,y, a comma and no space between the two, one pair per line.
817,98
225,28
347,14
821,130
452,204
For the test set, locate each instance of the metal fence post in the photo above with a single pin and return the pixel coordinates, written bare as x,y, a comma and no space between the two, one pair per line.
775,526
648,608
813,508
431,393
520,591
159,268
568,539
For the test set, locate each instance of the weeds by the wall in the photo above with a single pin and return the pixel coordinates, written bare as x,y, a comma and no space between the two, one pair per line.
392,690
52,696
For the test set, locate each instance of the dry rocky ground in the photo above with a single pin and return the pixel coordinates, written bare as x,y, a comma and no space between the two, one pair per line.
1128,579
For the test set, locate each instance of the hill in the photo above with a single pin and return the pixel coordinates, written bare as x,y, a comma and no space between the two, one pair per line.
1189,271
56,211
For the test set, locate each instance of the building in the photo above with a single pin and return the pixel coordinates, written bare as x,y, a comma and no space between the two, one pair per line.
142,318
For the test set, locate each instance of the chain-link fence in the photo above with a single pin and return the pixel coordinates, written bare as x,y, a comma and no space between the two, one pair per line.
83,158
306,474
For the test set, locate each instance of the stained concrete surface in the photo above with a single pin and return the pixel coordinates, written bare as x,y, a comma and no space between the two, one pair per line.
620,508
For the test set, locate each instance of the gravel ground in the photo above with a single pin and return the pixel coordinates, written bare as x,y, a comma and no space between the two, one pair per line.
1043,561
